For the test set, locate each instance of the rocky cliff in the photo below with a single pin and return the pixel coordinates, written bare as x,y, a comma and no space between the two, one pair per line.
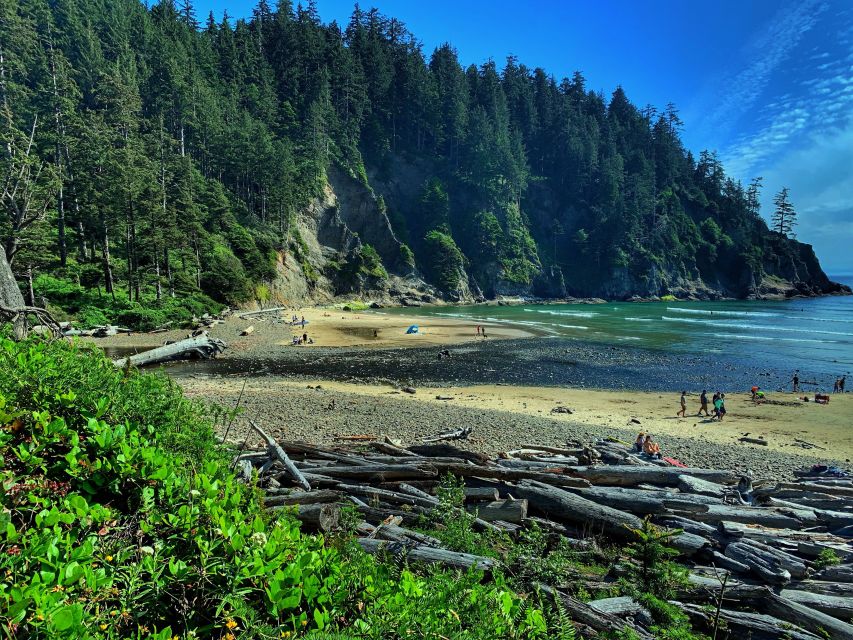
325,257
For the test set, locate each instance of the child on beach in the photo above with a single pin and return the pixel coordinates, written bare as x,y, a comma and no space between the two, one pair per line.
638,444
683,405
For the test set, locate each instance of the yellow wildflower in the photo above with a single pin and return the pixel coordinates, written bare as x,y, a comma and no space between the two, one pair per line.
102,627
231,624
109,558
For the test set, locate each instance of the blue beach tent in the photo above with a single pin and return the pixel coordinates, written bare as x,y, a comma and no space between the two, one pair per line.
412,329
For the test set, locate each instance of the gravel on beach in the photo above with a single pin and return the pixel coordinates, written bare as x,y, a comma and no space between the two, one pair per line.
318,415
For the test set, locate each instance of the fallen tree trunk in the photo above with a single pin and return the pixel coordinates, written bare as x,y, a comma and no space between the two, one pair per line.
201,347
317,517
431,555
598,621
755,626
279,453
808,618
568,507
513,511
835,606
631,475
248,314
303,497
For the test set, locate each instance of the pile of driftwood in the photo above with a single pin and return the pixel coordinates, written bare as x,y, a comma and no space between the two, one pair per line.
752,547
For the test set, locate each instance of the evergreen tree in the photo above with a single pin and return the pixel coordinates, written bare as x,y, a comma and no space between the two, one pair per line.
784,217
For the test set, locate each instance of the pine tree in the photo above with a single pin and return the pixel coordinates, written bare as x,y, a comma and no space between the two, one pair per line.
784,217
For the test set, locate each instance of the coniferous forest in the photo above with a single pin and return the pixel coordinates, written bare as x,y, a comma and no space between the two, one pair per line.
156,159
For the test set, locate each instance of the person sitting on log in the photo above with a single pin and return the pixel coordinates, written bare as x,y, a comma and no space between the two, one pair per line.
638,444
652,448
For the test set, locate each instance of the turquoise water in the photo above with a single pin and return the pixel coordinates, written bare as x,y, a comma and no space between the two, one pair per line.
813,334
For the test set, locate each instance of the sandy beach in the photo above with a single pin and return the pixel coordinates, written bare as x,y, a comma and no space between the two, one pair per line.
312,407
327,327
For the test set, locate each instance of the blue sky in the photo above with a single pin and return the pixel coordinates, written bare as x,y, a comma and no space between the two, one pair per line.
768,84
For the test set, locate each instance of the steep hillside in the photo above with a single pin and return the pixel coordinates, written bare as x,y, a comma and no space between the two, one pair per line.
152,159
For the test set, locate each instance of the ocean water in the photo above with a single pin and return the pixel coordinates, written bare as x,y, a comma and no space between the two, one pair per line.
814,334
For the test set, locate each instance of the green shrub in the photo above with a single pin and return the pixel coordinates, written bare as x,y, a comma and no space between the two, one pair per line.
827,558
120,519
371,263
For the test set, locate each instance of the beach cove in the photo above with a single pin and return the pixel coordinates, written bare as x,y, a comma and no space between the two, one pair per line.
506,386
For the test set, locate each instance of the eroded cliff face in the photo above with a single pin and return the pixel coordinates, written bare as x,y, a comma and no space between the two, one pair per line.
331,232
328,236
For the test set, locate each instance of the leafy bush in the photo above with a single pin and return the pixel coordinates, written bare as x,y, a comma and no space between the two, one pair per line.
371,263
120,519
826,558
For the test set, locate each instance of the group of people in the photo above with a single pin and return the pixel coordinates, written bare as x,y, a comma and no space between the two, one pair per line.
839,385
645,444
718,401
481,331
295,321
303,339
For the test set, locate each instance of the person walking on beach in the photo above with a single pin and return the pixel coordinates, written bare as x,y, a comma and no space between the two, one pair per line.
796,381
683,405
703,403
722,409
841,383
478,329
837,385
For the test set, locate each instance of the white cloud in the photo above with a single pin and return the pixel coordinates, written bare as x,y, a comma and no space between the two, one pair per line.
820,180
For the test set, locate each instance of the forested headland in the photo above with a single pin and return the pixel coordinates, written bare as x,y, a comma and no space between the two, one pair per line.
157,165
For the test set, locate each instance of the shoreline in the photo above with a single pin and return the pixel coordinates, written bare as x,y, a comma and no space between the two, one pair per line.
488,383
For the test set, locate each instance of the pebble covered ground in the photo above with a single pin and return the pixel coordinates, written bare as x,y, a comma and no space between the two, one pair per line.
318,415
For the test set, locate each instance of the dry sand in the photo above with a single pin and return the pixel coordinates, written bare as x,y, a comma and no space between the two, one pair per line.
327,327
785,427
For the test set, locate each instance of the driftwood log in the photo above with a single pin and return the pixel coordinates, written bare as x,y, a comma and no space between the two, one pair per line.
200,347
420,553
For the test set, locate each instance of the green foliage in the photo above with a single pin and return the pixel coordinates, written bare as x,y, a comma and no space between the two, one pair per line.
826,558
652,568
92,309
371,263
407,255
120,519
443,259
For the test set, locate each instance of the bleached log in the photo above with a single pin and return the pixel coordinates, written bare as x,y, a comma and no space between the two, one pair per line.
630,476
698,486
317,517
598,621
430,555
769,567
742,624
642,501
303,497
835,606
838,573
279,453
479,494
717,513
621,606
512,511
807,618
502,473
248,314
564,506
248,331
201,347
382,472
